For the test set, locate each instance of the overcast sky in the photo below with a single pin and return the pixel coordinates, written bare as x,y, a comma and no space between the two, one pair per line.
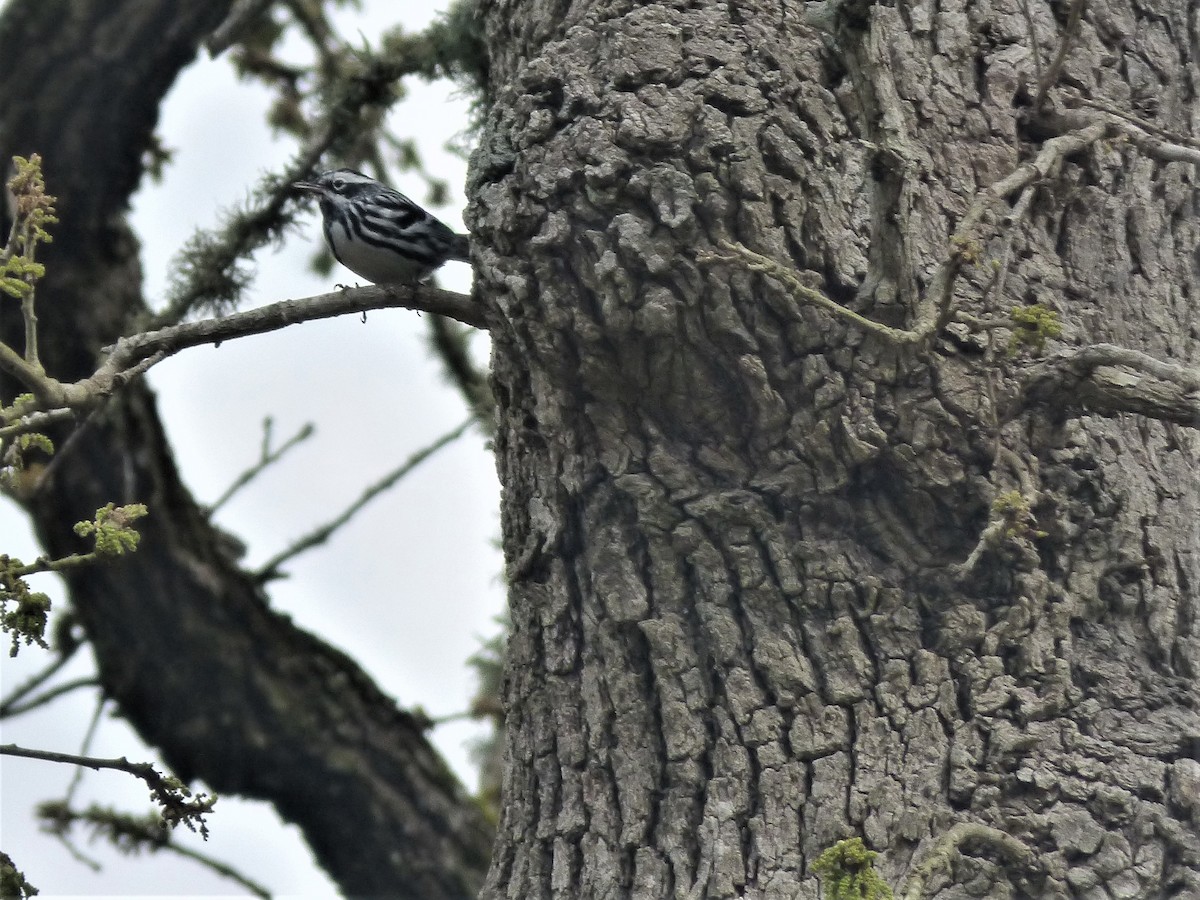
407,589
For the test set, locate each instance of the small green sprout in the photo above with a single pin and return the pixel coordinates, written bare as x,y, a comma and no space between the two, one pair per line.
1033,326
34,211
111,529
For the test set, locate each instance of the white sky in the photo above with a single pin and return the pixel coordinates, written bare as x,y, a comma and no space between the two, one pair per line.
407,589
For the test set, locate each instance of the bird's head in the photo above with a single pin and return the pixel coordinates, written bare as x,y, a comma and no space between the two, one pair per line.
339,185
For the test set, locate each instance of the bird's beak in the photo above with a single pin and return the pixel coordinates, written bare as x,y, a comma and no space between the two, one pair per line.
307,186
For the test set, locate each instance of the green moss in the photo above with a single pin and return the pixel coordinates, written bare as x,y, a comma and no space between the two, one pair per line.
847,872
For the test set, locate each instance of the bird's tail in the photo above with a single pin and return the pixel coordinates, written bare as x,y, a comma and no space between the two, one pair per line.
460,248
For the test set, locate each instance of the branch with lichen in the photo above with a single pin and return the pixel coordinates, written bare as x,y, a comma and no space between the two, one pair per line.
131,834
936,308
178,804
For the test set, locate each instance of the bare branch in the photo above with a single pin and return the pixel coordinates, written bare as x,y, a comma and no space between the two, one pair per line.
35,681
240,18
1047,80
172,339
131,356
318,536
1034,50
1151,139
1105,379
267,458
13,708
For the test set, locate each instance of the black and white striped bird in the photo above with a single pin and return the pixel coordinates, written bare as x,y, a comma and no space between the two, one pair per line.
378,233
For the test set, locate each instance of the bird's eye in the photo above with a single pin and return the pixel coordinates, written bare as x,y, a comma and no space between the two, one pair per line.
339,184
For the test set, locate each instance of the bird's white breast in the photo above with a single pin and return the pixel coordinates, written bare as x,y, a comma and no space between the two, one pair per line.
375,264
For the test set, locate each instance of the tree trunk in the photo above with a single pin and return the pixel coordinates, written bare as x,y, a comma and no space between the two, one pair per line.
229,690
751,611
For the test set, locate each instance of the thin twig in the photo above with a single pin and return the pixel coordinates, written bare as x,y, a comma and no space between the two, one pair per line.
84,748
318,536
12,708
1045,82
1034,49
240,18
144,771
268,457
178,803
35,681
756,262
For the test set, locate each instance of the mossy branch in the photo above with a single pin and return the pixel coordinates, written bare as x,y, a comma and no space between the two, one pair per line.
131,834
941,855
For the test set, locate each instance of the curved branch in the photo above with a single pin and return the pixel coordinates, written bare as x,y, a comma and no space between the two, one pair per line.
942,852
936,307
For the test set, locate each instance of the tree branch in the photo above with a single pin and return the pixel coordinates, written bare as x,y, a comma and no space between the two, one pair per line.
168,792
1047,80
267,457
132,356
318,536
1105,379
936,308
274,316
12,708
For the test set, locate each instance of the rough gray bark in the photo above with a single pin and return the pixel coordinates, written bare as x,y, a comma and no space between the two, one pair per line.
735,525
229,690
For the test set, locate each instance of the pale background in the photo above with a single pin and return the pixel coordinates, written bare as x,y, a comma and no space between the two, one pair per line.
408,588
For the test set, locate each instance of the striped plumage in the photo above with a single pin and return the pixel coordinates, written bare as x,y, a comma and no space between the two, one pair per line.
378,233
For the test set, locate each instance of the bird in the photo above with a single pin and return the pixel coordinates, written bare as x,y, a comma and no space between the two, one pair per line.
378,233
